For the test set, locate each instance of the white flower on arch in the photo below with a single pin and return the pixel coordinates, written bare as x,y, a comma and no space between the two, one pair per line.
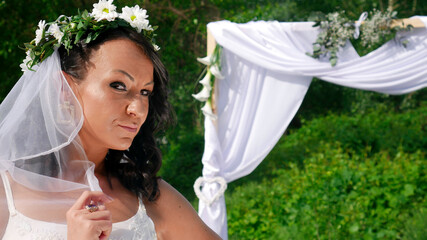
104,10
203,95
207,111
206,81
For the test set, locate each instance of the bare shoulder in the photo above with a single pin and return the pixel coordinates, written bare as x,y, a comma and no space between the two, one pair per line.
175,218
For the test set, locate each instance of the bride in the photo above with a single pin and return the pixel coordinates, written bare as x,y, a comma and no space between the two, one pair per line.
78,154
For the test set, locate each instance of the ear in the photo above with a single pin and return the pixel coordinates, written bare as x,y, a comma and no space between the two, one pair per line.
72,83
69,79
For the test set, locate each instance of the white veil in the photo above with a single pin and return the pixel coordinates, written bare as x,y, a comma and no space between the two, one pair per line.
39,146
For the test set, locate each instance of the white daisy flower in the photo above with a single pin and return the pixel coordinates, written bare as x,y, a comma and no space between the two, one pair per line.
39,31
136,17
104,10
24,64
55,31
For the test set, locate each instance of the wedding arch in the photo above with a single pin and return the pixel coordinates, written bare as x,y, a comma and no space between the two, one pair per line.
265,74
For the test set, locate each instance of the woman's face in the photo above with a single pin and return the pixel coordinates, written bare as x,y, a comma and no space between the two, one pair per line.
114,95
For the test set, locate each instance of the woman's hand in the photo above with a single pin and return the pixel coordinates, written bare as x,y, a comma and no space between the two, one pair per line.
83,224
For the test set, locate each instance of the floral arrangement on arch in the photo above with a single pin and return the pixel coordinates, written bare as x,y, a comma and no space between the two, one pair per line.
337,30
211,72
85,27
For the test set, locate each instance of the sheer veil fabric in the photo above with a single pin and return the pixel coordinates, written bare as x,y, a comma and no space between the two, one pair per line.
39,144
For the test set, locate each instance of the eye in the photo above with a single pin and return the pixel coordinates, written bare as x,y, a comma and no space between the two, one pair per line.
145,92
118,85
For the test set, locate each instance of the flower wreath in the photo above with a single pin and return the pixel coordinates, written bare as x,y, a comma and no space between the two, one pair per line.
84,27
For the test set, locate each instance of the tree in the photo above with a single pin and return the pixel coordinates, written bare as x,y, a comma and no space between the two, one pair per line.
182,38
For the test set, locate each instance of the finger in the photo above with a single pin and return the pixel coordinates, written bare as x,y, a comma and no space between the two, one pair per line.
104,214
101,207
99,215
85,199
92,207
86,196
104,228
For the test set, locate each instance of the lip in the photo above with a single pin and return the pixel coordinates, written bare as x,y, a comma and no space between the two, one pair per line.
132,129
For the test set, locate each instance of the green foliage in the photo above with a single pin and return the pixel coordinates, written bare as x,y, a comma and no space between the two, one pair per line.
376,131
416,227
354,8
182,37
323,98
182,162
245,11
367,132
322,182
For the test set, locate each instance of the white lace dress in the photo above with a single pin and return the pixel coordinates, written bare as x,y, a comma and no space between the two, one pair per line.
138,227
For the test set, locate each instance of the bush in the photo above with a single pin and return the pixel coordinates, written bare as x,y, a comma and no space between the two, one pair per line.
182,163
338,177
416,227
338,195
362,133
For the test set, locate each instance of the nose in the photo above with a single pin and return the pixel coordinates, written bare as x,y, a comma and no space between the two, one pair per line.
136,108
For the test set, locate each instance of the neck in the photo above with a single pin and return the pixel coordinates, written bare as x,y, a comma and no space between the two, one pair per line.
97,156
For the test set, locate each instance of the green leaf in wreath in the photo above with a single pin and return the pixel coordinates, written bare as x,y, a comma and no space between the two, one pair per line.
80,25
78,36
89,38
95,35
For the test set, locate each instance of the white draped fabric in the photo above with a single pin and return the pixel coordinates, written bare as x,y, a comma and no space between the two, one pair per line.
266,76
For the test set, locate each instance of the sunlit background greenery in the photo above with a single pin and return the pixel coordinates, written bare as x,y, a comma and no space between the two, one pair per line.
352,164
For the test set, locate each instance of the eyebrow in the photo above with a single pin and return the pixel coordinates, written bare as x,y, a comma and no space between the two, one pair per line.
129,76
125,73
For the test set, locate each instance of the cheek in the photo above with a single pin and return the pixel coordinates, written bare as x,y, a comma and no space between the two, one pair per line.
99,108
146,110
98,114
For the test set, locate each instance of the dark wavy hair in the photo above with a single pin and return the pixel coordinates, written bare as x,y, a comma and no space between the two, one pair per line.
136,168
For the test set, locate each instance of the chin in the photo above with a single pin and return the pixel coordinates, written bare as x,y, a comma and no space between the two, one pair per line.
122,147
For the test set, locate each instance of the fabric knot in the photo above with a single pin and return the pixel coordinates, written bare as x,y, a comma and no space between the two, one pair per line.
211,181
362,18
